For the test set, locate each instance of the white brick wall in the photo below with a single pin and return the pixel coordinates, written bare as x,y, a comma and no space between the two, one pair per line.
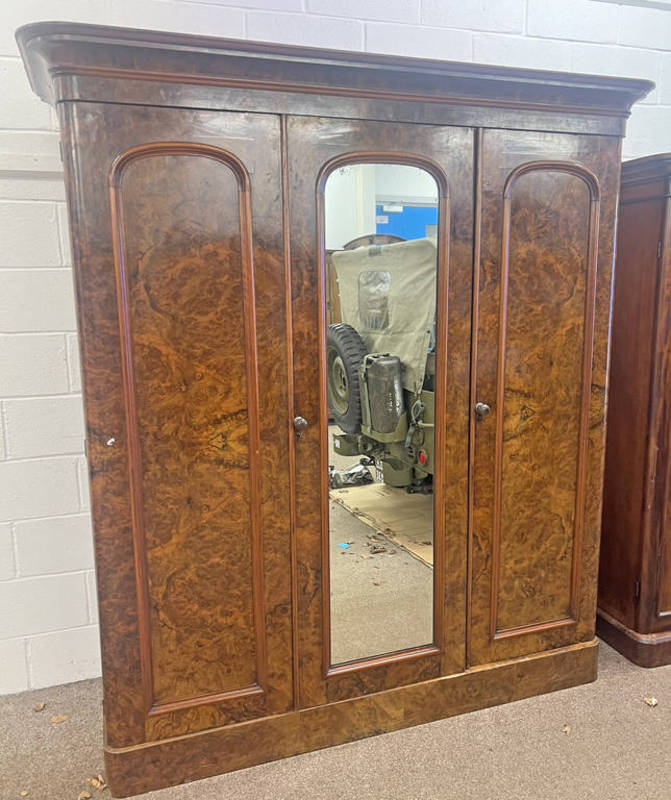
48,615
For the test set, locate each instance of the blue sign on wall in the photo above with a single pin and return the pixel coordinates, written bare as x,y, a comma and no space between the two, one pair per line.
410,222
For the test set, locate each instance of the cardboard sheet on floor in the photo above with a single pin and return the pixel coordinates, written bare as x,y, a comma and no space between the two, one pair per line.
406,519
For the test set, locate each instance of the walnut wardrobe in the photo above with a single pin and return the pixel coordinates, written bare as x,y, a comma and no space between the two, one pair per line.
198,174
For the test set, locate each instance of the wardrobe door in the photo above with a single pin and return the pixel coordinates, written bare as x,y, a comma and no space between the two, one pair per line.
178,249
540,357
633,494
381,262
655,611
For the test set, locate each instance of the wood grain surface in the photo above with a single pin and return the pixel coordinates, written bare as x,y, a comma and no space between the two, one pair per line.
635,570
200,274
137,769
67,61
627,449
195,595
543,309
644,649
191,391
314,148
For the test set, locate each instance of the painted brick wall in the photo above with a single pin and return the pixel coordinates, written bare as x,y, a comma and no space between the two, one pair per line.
48,631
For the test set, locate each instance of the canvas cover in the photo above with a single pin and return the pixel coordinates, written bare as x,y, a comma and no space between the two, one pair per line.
388,295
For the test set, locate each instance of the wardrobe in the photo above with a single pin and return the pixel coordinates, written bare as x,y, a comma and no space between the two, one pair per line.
634,610
198,173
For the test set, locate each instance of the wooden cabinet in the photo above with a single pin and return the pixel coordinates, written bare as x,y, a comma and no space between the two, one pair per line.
635,570
198,175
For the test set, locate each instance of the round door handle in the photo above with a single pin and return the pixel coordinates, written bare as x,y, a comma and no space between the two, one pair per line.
481,411
300,424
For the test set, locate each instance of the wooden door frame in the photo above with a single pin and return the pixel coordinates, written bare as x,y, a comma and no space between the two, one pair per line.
488,641
410,664
442,267
133,714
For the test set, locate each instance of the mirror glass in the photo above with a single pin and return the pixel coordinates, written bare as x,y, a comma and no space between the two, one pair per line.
381,272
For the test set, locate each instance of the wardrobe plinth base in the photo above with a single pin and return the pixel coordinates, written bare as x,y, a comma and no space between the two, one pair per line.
156,765
644,649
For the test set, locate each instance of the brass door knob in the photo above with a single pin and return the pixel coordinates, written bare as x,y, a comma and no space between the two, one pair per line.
481,411
300,424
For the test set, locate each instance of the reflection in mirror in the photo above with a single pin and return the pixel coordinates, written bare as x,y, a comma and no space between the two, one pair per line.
381,271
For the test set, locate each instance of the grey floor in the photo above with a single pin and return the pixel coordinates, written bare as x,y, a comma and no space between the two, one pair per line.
618,748
368,577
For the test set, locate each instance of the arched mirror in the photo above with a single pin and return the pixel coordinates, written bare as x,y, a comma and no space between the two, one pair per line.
380,228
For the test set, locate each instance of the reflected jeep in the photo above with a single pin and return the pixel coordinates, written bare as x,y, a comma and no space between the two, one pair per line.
381,359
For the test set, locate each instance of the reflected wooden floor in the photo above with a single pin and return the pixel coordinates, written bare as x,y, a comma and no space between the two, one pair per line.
406,519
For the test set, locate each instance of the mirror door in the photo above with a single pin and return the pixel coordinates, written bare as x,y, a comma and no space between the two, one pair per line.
381,260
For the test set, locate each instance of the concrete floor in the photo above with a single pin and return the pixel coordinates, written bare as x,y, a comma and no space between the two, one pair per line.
618,748
365,584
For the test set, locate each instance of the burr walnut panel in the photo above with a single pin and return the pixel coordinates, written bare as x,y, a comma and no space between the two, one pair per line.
237,746
543,302
187,323
547,317
185,292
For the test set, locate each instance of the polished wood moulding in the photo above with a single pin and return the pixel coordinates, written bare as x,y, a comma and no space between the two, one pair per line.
644,649
139,769
201,177
635,570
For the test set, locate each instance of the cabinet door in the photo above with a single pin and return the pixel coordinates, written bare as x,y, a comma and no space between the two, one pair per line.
178,250
655,607
629,484
540,356
380,578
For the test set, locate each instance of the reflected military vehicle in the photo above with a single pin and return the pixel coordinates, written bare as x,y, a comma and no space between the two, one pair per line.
381,359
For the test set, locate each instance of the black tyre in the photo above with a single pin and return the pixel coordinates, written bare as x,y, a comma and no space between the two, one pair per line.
345,351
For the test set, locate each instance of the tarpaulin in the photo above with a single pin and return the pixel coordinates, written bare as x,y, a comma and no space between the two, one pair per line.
388,295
